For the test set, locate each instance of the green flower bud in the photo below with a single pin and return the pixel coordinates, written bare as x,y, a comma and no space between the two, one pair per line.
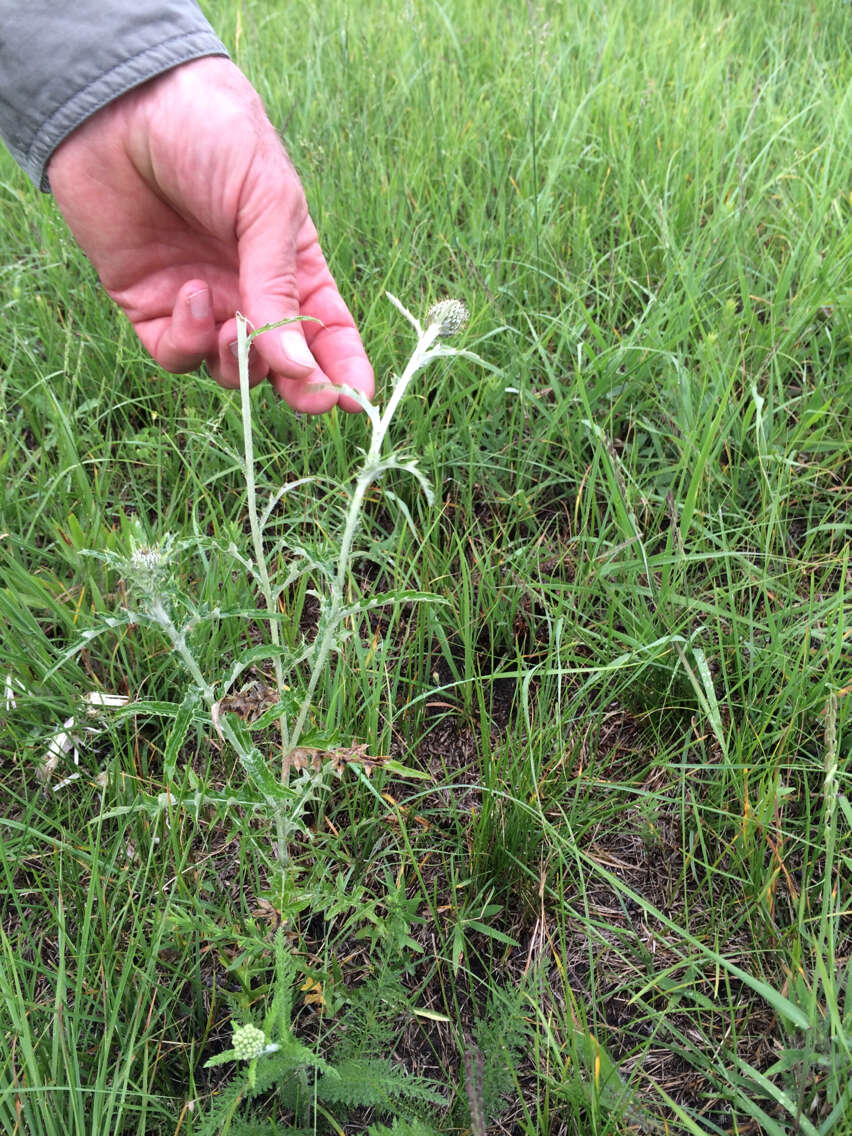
248,1042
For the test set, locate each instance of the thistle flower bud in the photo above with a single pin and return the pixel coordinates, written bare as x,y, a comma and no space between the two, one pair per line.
449,315
148,565
147,560
248,1042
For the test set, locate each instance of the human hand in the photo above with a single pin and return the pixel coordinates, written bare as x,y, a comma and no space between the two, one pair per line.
184,199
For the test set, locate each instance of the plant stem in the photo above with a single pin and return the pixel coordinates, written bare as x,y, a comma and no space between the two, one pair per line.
158,611
243,342
364,479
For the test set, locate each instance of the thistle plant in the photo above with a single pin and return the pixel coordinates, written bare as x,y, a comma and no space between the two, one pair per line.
443,320
159,603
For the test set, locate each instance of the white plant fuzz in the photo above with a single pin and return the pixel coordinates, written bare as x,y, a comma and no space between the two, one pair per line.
62,742
9,685
70,738
98,700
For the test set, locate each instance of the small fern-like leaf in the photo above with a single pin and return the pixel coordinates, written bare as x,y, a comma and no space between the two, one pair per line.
277,1021
403,1128
374,1082
226,1101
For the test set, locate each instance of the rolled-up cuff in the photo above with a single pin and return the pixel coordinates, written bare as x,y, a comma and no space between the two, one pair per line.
62,62
121,79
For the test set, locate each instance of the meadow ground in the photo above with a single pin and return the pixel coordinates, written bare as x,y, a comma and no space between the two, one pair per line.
596,877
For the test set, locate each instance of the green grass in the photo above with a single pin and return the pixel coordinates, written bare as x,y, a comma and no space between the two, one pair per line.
620,899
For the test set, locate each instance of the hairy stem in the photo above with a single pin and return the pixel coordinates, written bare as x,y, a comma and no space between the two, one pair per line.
368,473
243,343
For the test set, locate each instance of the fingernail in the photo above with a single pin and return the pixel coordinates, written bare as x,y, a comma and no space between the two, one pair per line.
199,304
235,348
296,350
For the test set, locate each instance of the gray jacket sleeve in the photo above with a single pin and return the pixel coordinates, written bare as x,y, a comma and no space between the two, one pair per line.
60,62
